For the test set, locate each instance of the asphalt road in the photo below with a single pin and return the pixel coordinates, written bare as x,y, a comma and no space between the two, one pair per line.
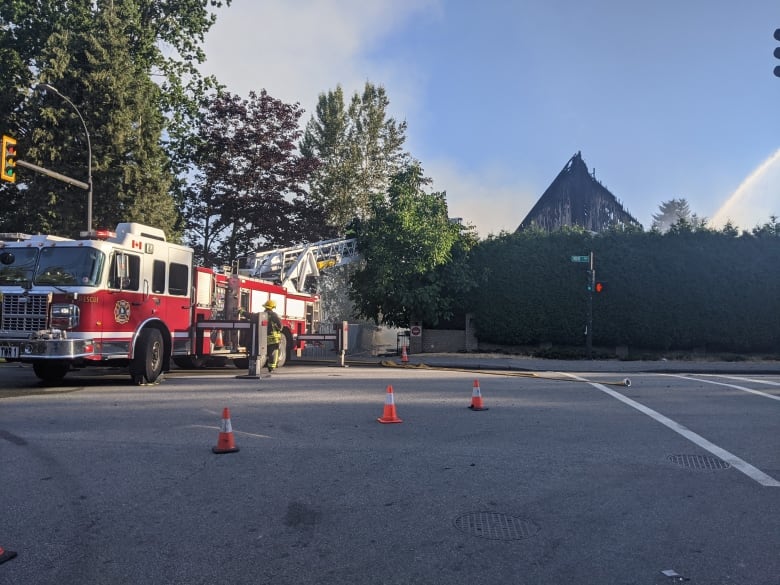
568,477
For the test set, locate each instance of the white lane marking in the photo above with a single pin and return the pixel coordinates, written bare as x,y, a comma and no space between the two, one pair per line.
756,380
752,472
743,388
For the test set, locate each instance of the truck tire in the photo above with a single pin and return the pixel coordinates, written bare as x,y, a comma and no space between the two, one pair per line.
285,349
149,354
51,372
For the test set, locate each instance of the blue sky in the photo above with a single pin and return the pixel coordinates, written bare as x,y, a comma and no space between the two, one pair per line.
665,99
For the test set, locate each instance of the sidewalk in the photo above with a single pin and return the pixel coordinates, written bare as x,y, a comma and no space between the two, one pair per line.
487,361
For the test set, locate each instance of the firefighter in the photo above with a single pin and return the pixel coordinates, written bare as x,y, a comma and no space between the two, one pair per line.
274,334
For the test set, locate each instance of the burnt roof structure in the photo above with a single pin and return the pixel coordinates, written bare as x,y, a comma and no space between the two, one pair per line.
576,198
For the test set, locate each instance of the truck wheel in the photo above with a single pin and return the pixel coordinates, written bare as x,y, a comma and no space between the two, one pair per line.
147,364
285,349
51,372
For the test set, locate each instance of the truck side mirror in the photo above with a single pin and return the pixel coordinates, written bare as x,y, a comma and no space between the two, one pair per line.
122,275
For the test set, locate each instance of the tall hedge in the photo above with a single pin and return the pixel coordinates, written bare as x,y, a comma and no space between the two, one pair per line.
680,290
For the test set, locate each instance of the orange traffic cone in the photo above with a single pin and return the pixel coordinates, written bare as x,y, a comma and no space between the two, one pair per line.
476,398
225,442
389,415
404,355
218,343
6,555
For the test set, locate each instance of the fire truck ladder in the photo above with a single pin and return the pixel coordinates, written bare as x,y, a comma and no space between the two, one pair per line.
292,266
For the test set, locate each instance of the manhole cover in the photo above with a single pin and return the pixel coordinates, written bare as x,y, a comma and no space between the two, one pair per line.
698,462
495,526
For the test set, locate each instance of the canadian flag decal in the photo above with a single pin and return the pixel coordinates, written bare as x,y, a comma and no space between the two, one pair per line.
136,244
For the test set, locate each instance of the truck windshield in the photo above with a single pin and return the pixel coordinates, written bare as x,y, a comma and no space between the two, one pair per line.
63,266
16,265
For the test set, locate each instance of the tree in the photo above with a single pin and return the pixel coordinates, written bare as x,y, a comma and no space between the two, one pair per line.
695,224
405,242
360,149
770,229
326,139
102,55
131,170
671,212
730,229
675,291
248,189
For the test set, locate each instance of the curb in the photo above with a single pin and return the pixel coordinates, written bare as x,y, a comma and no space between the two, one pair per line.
541,365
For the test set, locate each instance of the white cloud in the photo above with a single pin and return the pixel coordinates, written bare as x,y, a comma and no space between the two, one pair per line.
485,199
297,49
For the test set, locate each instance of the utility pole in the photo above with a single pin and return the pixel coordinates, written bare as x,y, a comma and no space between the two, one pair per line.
591,288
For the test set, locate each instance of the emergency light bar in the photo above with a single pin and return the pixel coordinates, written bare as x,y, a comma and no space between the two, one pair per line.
101,234
16,237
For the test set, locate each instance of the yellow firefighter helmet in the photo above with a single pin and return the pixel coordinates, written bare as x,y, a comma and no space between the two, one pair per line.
270,304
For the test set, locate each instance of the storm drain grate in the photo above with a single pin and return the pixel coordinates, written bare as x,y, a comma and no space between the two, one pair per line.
698,462
495,526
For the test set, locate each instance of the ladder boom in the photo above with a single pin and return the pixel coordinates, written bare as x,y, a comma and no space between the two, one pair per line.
291,266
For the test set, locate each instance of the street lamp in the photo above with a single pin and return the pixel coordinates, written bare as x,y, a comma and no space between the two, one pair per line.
51,88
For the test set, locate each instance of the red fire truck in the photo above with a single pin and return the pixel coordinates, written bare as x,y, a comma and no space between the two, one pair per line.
130,298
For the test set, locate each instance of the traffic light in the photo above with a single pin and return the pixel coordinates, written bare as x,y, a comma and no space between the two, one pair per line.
598,287
777,51
8,162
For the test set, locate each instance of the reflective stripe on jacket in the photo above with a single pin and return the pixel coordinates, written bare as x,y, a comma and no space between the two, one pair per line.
274,328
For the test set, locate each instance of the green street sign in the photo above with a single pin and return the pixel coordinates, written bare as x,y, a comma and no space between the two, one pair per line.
580,258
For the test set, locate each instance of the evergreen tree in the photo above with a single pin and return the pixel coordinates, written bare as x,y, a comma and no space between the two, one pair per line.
769,229
671,212
325,138
130,169
360,149
102,56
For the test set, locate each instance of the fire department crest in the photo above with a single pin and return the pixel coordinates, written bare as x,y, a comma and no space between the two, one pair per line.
122,312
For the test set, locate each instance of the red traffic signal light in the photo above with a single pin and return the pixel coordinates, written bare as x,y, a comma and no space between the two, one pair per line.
599,287
8,161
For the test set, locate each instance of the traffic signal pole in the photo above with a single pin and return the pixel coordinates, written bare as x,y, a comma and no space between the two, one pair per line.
10,162
52,174
591,286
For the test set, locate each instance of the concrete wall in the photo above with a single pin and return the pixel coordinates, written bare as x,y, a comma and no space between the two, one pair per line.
377,341
443,341
446,340
363,340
